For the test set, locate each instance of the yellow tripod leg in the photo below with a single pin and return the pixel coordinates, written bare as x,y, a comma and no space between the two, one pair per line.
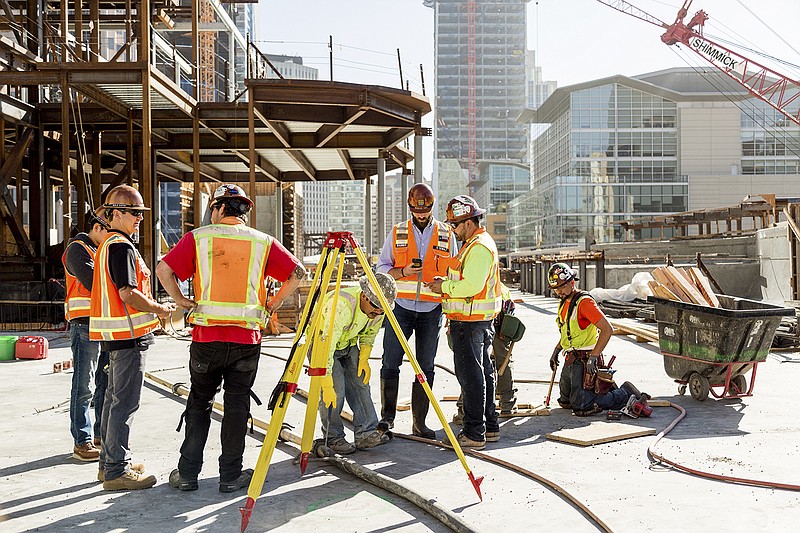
286,389
318,367
476,482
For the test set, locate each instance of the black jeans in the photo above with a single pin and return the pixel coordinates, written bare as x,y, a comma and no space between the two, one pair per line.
212,364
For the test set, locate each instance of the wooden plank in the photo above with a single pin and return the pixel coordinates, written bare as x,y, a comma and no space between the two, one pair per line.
661,276
690,290
658,403
599,432
661,291
705,286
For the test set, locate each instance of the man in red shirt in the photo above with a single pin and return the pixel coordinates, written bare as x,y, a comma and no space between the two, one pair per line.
585,332
230,263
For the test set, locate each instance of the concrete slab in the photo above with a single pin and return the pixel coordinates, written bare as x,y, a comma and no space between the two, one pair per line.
43,489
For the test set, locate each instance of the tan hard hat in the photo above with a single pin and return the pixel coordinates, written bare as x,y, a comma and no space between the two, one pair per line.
387,286
125,197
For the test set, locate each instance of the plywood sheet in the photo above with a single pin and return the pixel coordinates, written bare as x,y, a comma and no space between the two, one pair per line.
599,432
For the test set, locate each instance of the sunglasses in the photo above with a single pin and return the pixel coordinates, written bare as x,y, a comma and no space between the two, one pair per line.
454,225
377,308
136,213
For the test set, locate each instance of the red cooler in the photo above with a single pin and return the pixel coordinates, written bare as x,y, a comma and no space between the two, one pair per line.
31,348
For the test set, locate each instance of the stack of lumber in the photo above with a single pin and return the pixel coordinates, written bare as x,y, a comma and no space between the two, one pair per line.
688,285
619,309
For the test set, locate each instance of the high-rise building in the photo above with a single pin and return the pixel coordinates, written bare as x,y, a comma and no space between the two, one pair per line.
649,145
291,67
480,72
537,90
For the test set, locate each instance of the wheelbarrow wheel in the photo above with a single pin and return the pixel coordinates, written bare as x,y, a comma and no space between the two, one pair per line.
698,387
738,385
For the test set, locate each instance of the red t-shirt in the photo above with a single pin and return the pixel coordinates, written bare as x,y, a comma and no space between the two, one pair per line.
588,312
182,260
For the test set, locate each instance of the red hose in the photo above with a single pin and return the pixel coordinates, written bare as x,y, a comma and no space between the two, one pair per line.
656,458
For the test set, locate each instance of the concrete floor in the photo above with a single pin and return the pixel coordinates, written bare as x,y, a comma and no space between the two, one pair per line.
43,489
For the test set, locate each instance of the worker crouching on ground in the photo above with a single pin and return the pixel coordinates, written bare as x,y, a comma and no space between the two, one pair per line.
358,318
471,299
230,263
123,317
88,380
415,252
585,332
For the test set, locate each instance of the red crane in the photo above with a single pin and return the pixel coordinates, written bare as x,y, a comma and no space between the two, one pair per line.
770,86
472,107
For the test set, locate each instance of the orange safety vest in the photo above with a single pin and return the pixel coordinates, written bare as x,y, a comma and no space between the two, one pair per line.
405,249
229,283
487,303
78,300
110,318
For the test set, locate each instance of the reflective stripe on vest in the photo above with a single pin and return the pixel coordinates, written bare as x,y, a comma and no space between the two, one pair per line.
405,249
78,301
582,339
487,303
229,281
111,318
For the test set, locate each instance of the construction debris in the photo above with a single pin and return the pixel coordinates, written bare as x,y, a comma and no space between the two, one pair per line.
683,285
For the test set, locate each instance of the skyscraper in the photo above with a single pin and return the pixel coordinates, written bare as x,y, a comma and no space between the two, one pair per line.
480,90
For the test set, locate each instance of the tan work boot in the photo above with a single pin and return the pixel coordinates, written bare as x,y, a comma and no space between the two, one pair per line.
97,442
136,467
130,480
86,452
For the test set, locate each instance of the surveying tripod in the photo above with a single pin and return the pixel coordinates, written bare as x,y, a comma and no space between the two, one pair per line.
310,334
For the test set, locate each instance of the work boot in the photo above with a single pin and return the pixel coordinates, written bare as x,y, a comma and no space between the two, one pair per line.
239,483
466,442
388,403
631,389
86,452
341,446
177,481
593,410
458,419
372,439
130,480
97,442
564,404
419,410
136,467
492,436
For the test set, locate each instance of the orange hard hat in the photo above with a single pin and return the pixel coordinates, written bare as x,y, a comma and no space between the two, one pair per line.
462,208
420,198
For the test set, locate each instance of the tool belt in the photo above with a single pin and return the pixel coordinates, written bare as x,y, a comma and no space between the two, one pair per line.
580,355
590,381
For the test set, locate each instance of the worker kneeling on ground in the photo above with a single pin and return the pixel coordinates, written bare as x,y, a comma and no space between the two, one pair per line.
358,318
585,332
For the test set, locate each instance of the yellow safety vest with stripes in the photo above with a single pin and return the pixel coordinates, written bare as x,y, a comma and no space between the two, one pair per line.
112,319
229,282
573,337
487,303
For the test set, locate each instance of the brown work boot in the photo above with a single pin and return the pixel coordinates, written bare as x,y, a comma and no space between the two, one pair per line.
492,436
130,480
466,442
593,410
86,452
136,467
97,442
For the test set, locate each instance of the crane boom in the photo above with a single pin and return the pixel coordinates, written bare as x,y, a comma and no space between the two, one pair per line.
772,87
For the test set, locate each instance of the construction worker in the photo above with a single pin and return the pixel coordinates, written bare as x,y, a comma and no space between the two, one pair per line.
78,260
471,299
123,317
358,318
585,332
413,255
230,263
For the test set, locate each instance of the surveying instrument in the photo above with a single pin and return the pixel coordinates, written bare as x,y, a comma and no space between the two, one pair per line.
314,332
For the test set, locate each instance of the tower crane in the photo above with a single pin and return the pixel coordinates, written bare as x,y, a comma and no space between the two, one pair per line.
472,104
774,88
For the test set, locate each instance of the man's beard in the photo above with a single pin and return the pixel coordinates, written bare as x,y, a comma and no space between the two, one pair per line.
421,225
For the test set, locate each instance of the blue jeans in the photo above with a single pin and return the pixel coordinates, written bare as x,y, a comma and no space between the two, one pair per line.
348,386
212,364
426,327
472,344
571,390
123,397
86,384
